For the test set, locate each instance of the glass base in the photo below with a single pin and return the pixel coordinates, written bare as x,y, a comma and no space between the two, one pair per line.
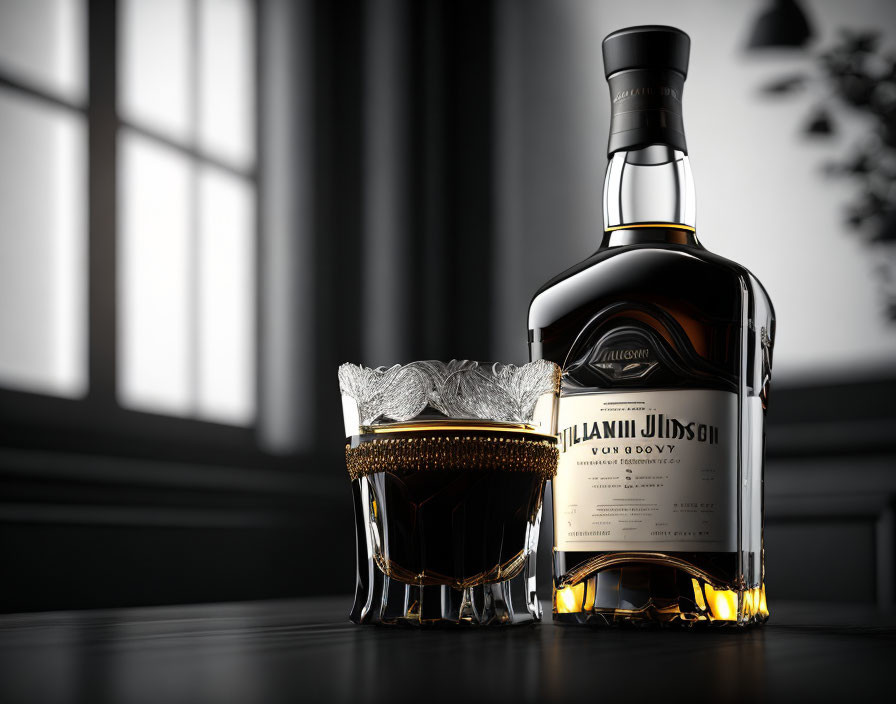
389,602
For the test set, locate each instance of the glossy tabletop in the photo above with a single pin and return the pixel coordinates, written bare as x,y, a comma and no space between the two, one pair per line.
305,650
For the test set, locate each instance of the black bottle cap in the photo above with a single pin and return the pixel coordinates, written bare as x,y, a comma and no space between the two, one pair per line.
646,67
647,46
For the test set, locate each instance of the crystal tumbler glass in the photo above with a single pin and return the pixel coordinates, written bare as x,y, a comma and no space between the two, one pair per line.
448,463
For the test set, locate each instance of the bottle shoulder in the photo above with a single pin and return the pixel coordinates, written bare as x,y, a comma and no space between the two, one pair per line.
691,274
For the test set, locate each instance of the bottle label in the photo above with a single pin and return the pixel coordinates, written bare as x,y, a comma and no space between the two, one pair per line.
647,470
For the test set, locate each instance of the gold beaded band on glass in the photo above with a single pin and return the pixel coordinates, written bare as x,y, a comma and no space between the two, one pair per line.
402,455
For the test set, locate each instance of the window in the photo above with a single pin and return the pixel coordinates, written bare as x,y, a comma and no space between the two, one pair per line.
185,196
43,215
186,155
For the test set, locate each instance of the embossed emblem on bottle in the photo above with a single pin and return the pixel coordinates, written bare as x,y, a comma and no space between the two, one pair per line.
623,354
624,363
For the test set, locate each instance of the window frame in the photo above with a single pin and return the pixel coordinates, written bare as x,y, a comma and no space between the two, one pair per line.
97,423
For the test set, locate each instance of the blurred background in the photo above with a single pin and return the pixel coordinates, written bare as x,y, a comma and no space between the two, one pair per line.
207,205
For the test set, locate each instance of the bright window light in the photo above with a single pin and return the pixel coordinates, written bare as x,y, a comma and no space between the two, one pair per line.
154,277
43,271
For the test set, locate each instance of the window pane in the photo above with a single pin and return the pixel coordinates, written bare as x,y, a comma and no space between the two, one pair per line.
155,66
154,262
227,80
226,299
42,43
43,273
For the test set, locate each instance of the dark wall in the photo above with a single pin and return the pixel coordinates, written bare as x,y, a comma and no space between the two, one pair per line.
830,492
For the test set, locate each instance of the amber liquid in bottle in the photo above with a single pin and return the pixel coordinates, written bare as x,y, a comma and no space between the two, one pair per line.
706,325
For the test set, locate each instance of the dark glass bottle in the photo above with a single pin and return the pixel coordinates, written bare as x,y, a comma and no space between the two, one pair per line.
666,357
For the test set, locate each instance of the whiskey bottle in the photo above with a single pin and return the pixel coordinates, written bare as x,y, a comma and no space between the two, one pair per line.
665,350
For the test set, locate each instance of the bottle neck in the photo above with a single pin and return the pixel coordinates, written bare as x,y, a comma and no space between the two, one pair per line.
649,197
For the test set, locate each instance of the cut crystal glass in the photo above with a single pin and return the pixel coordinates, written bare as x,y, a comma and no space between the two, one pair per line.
448,462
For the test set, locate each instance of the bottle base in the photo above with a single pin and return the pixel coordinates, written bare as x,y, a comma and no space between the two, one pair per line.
707,607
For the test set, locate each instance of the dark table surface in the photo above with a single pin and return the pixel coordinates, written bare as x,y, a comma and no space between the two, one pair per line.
305,650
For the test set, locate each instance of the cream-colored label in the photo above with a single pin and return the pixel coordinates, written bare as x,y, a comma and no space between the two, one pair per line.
647,470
